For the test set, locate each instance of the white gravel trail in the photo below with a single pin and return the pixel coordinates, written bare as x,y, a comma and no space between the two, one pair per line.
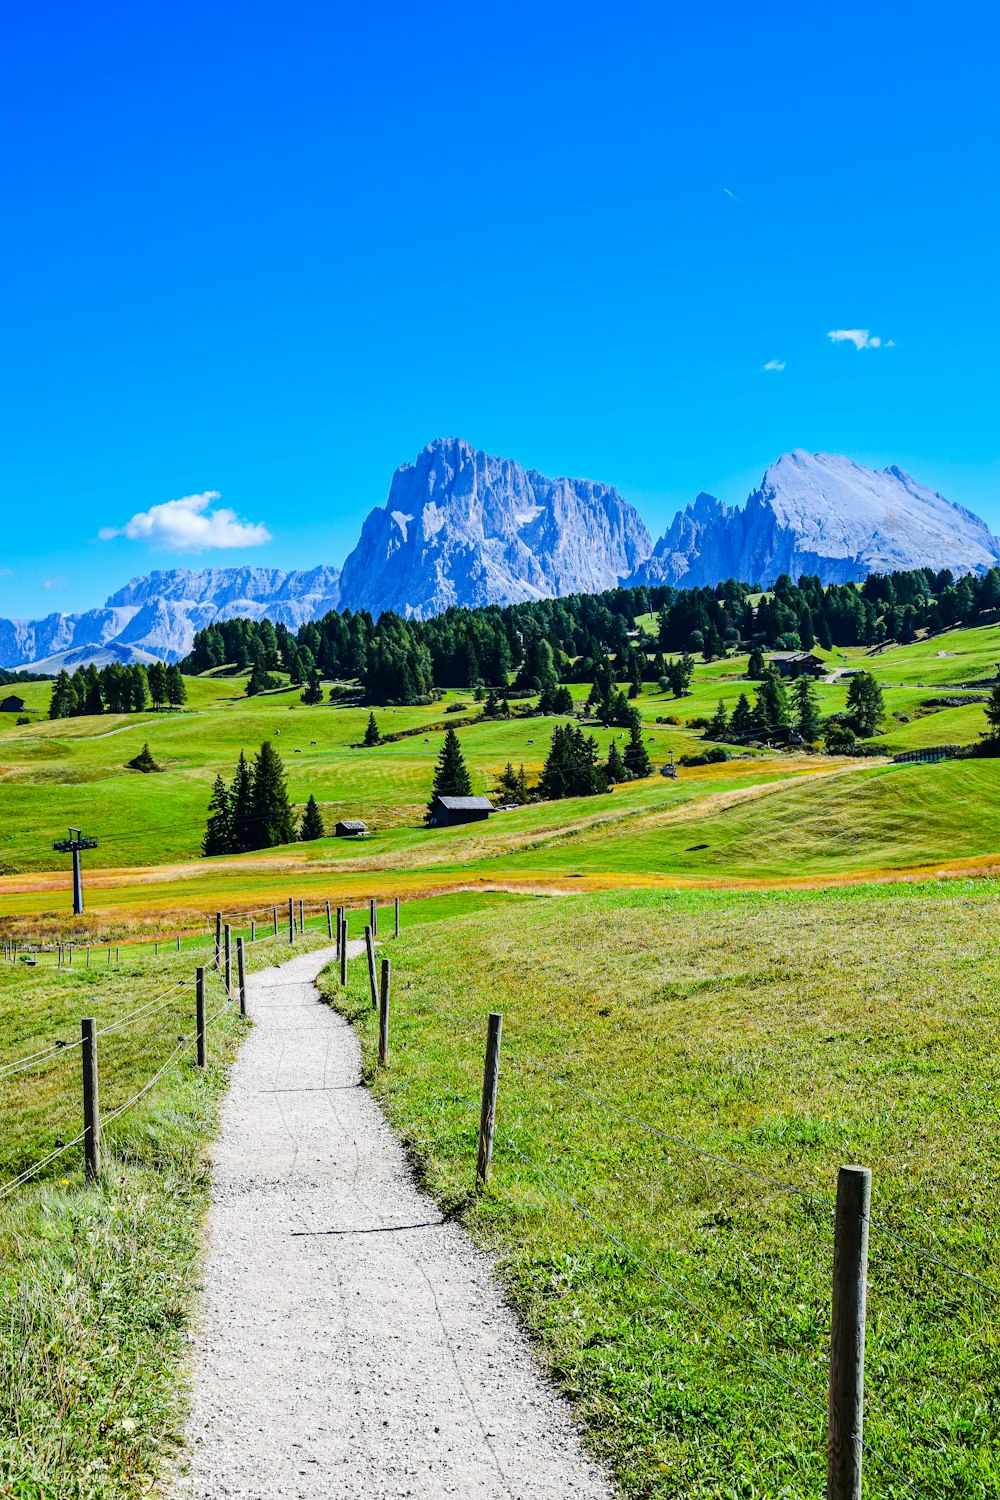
351,1345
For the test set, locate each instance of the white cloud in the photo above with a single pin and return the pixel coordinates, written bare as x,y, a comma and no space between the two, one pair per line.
6,572
775,364
189,525
54,583
861,338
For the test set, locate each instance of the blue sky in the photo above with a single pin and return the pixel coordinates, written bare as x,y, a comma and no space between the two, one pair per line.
268,252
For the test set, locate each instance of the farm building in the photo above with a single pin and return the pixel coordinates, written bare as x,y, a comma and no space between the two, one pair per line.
446,811
350,828
12,705
797,664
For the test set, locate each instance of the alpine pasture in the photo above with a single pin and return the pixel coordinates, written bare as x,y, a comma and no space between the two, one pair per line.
717,990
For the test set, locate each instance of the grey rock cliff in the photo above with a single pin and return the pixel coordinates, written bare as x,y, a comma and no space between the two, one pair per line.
820,513
463,527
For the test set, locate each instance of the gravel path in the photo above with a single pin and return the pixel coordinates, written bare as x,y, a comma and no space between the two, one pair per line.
352,1346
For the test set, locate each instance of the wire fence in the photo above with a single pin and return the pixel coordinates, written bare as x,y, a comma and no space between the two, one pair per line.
287,922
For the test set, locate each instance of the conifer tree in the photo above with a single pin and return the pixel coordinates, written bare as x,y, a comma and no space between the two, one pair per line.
175,687
62,704
313,691
615,768
771,707
312,822
636,756
219,832
865,705
372,736
719,723
807,719
756,666
243,834
93,702
451,776
512,785
273,821
157,676
741,723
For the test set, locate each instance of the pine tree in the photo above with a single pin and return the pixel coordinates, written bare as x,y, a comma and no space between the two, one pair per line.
372,736
741,723
865,705
93,702
273,821
143,761
807,719
243,834
313,692
636,756
175,687
312,822
62,704
615,769
157,675
756,666
219,832
511,785
771,707
451,777
718,724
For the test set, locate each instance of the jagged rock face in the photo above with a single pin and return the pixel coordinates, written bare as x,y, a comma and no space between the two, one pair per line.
155,617
462,527
820,513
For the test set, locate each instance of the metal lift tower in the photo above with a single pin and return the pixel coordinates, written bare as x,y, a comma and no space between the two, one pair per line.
73,845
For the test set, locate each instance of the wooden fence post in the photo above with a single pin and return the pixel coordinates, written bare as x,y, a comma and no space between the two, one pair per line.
302,916
118,955
370,952
329,921
343,950
373,916
253,929
91,1106
397,916
218,938
291,920
847,1334
229,961
156,949
274,913
88,955
178,942
383,1017
488,1111
241,975
199,1013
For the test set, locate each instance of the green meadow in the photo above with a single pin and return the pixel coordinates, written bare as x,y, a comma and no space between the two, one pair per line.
682,1074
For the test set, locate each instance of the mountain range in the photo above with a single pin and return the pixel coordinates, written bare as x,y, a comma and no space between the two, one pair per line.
462,527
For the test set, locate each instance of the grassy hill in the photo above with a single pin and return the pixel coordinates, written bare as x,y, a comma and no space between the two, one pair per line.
759,816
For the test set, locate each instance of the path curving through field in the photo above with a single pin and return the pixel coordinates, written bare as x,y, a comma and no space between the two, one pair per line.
351,1344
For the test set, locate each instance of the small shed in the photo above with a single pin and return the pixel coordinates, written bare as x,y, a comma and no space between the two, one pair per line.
350,828
447,811
797,664
12,705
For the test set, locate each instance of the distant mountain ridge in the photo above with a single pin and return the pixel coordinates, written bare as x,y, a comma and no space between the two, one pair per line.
820,513
463,527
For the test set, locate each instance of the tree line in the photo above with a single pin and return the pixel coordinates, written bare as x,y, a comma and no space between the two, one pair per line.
116,689
544,642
